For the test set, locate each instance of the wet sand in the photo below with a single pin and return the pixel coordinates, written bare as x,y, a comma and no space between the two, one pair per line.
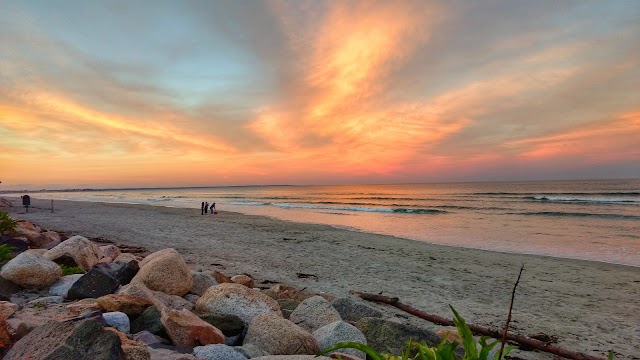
591,307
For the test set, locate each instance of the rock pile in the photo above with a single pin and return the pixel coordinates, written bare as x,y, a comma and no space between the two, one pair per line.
128,307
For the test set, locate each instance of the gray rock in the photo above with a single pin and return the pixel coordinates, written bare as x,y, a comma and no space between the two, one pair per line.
93,284
292,357
313,313
192,298
121,271
250,351
166,354
8,289
201,282
118,320
149,321
230,325
81,340
279,336
340,331
390,337
235,299
62,286
354,310
217,352
31,271
149,339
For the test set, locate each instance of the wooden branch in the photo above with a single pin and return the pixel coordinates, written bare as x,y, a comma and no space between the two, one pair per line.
506,326
478,329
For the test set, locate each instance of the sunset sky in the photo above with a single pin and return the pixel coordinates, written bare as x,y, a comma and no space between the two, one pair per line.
198,93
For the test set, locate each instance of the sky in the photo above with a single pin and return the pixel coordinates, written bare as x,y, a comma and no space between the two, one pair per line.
214,93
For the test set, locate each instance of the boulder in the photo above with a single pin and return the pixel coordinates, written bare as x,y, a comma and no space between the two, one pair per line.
7,309
128,304
30,270
62,286
159,253
26,230
148,338
121,271
235,299
85,253
118,320
281,291
166,354
340,331
133,349
192,298
354,310
390,337
126,257
201,282
217,352
278,336
84,339
93,284
48,240
187,330
149,321
159,299
166,272
39,252
313,313
230,325
243,280
111,251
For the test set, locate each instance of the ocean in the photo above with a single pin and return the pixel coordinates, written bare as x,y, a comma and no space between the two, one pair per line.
595,220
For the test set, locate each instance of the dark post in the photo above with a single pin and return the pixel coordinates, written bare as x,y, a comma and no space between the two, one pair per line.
52,206
26,201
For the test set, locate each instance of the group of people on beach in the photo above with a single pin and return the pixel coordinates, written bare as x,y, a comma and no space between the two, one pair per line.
205,206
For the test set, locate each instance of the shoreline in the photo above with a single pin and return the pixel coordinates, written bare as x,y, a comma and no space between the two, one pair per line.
590,306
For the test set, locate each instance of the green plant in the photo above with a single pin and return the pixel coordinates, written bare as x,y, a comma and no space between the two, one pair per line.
474,350
6,223
70,270
6,252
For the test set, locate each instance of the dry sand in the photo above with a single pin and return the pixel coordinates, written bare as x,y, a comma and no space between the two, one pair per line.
591,307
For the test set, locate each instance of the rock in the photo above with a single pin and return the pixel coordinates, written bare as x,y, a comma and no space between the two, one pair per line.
39,252
27,230
166,272
62,286
278,336
7,309
8,289
390,337
84,339
149,338
230,325
44,301
159,299
343,356
354,310
192,298
251,351
292,357
48,240
133,349
118,320
149,321
187,330
313,313
93,284
32,271
111,251
340,331
66,260
126,257
217,352
105,260
243,280
121,271
128,304
159,253
281,291
235,299
288,306
165,354
85,253
201,282
6,338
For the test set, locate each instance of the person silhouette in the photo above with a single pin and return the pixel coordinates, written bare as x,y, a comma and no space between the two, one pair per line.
206,206
213,208
202,208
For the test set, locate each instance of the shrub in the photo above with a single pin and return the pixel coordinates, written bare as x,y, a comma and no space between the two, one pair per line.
70,270
444,351
6,252
6,223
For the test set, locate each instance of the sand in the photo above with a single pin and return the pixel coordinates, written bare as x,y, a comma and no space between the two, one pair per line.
591,307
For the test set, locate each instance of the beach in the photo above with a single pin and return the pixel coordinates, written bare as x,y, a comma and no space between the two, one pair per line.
590,306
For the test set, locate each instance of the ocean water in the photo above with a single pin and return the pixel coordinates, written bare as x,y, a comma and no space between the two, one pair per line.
595,220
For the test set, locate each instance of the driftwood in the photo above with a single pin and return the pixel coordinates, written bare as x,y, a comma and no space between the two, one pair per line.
506,325
478,329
